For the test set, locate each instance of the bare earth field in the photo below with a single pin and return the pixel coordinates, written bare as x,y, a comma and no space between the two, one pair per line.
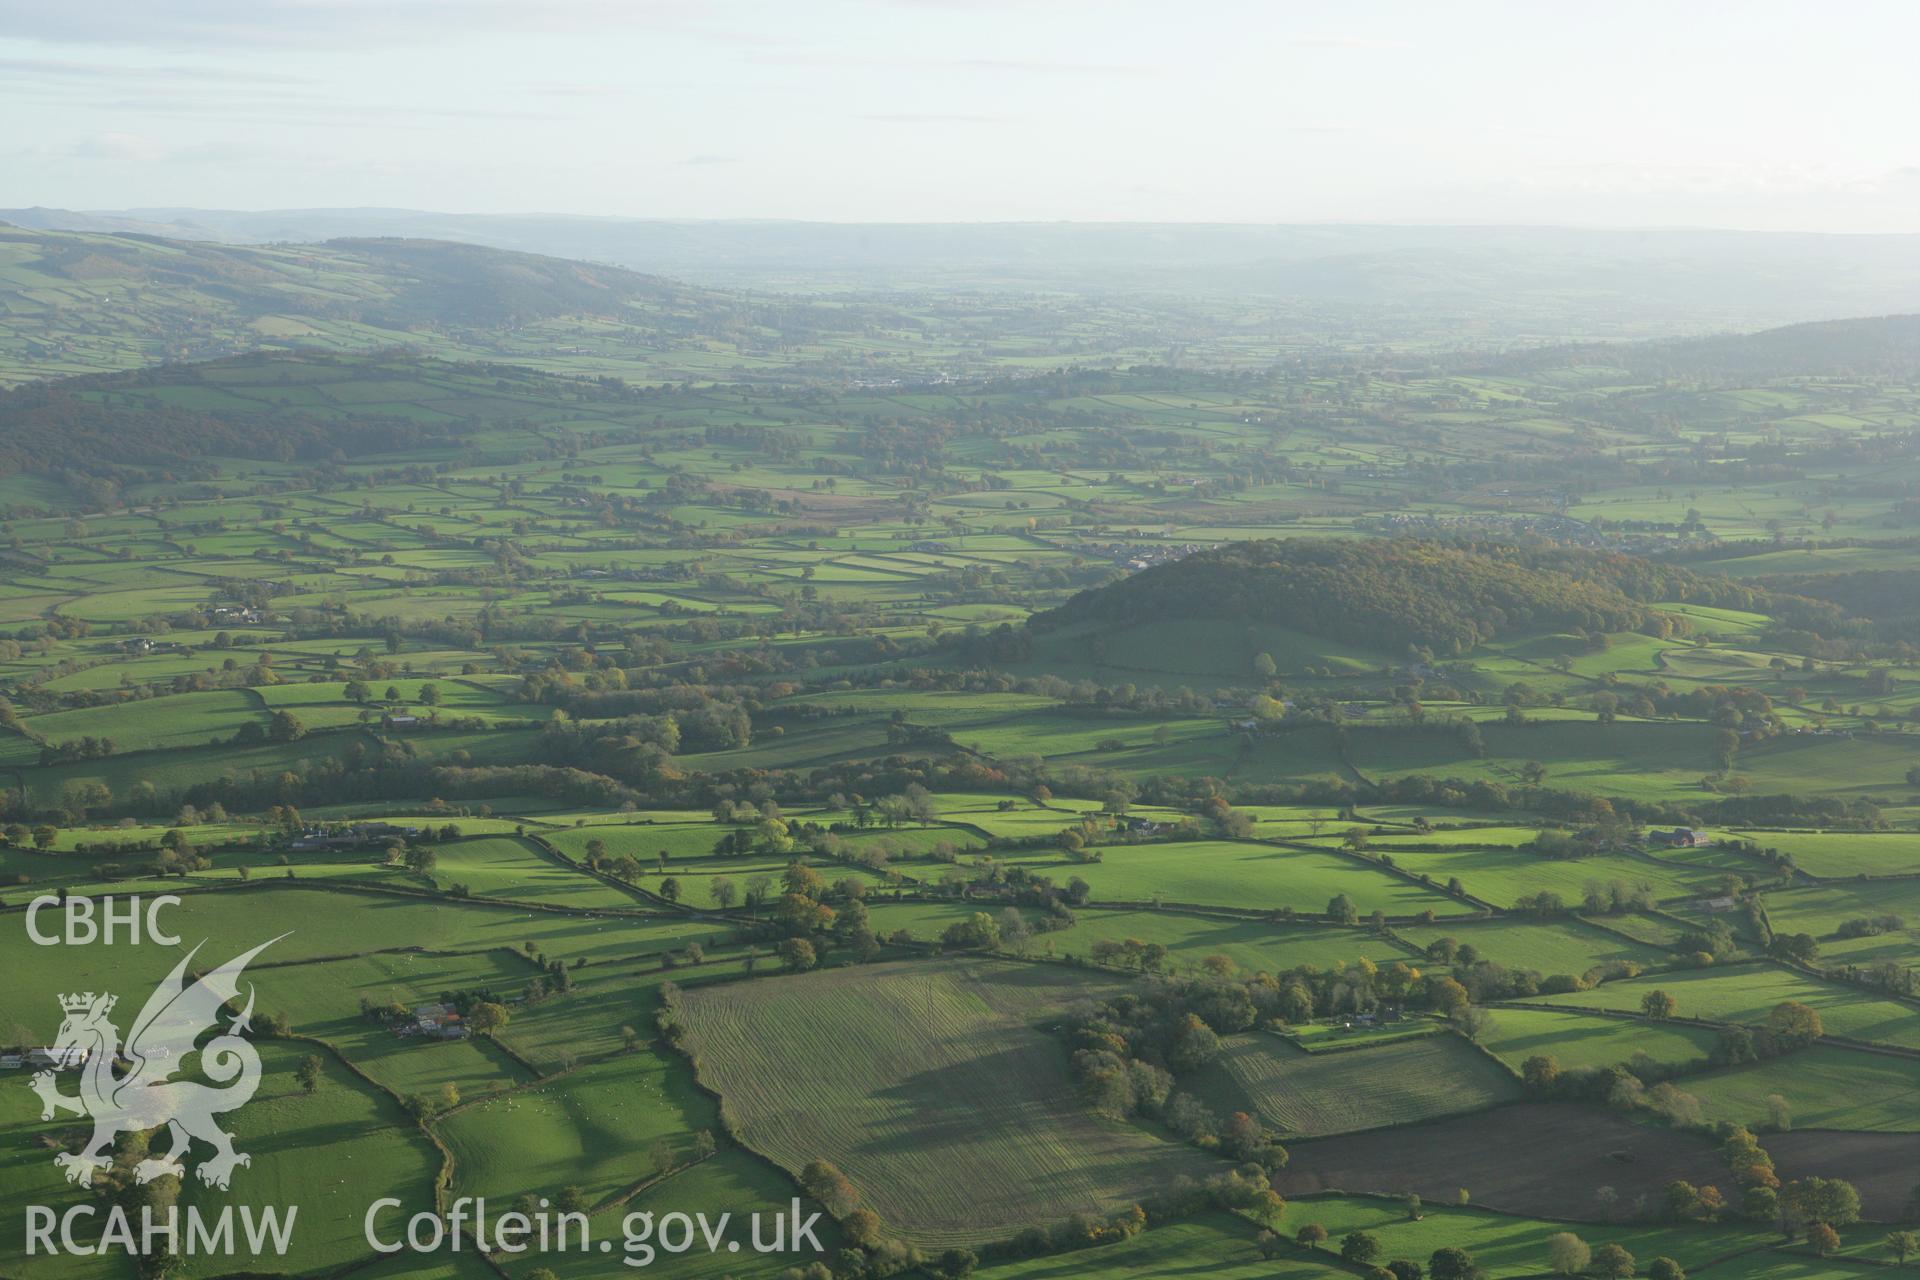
1544,1159
1883,1167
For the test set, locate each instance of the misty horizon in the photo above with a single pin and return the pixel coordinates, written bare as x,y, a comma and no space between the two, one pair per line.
889,111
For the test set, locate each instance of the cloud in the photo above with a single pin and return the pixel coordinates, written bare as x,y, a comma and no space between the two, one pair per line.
118,147
918,117
65,71
1345,42
1027,66
318,112
707,159
202,24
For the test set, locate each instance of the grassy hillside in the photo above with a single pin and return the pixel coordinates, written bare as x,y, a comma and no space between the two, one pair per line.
79,302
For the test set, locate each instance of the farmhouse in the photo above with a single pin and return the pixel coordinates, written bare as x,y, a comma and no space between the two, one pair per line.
352,836
1678,838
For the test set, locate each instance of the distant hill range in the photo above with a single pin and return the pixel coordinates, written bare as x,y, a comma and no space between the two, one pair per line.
81,302
1869,347
925,302
1389,595
1659,280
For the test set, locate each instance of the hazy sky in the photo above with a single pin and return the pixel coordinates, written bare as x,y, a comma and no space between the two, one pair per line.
1762,115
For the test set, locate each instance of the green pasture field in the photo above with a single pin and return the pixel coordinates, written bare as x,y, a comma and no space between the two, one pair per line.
1311,1095
878,1069
316,992
1824,1087
185,720
319,924
1252,947
1249,875
1214,1245
172,771
1822,909
590,1020
643,840
372,1151
1637,760
591,1127
28,1175
1545,946
1504,1245
505,867
1838,855
733,1182
1503,876
1577,1040
1776,1264
1747,993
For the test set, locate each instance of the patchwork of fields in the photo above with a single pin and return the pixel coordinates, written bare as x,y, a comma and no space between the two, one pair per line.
1102,821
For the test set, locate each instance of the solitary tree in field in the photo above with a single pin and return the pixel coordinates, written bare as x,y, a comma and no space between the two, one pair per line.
1310,1236
1794,1024
1567,1254
1901,1245
1658,1005
1823,1238
1832,1201
1359,1247
1665,1269
1341,910
1611,1262
308,1073
1453,1263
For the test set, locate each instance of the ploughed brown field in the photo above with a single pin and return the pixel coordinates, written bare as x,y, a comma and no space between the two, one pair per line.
1883,1167
1544,1159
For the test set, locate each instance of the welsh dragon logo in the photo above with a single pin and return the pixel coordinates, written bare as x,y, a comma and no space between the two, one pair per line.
141,1096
